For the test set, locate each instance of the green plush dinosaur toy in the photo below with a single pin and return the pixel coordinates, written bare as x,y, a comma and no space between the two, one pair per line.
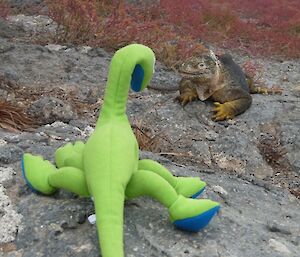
108,168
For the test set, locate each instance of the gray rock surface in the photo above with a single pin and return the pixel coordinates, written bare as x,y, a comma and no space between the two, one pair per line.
50,109
10,31
34,25
249,163
253,221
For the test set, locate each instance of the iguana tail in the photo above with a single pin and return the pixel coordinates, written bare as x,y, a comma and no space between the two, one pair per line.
261,90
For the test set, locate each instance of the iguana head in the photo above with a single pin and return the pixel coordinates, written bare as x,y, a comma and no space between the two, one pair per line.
205,65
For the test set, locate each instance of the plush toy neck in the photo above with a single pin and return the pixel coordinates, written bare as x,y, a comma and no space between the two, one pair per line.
129,67
115,97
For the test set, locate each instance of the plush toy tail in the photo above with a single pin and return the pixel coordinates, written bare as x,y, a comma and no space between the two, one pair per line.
109,219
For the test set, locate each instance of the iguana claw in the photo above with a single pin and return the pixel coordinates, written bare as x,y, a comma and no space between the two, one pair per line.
222,111
185,99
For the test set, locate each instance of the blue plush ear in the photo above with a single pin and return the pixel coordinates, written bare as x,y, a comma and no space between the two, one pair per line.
137,78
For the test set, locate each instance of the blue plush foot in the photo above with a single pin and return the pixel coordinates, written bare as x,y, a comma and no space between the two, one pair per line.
198,193
36,171
192,214
189,186
196,223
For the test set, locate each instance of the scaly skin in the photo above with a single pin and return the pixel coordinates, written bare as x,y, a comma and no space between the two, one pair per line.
221,81
107,167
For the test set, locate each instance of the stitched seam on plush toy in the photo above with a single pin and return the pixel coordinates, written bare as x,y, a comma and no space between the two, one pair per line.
118,84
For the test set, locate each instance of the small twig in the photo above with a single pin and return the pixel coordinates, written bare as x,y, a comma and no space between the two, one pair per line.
189,154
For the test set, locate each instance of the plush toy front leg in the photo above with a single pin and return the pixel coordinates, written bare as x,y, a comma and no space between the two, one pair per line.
71,179
45,178
70,155
185,213
186,186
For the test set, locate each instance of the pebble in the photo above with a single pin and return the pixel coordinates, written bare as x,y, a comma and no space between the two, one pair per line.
279,247
92,219
2,142
296,90
53,47
220,190
278,228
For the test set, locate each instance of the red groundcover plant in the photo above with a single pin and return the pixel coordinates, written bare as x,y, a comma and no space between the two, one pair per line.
4,9
176,29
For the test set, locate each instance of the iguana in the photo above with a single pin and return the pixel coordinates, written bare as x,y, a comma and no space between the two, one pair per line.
221,80
208,77
108,168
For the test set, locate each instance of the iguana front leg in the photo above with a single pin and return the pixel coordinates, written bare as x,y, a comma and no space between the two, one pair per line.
230,102
188,92
229,110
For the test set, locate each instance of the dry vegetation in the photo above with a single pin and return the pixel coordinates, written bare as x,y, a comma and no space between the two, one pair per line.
4,9
176,30
13,118
147,138
272,150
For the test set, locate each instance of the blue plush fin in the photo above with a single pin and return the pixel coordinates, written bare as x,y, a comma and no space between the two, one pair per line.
198,193
196,223
137,78
25,178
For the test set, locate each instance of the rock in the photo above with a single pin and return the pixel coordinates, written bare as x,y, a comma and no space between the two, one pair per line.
53,47
38,66
278,228
194,145
10,154
34,24
10,78
2,142
279,247
49,109
23,3
296,240
296,90
97,52
9,219
9,30
220,190
85,49
61,221
6,47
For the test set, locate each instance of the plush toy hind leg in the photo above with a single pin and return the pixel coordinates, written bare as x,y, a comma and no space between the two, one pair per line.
185,213
186,186
45,178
